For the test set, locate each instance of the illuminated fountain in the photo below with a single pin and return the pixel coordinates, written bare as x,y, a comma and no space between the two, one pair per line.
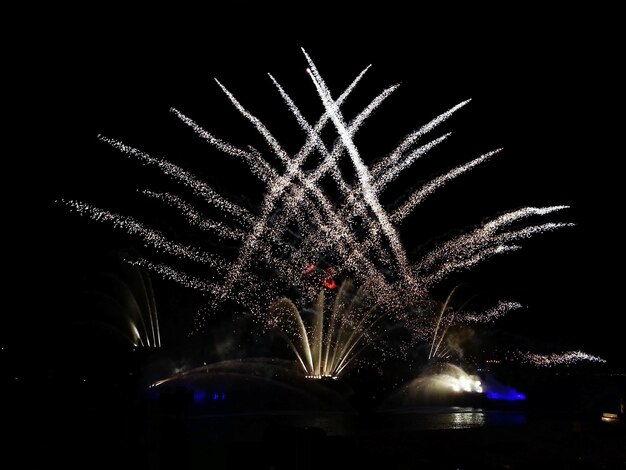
254,385
442,383
449,377
327,344
123,305
439,378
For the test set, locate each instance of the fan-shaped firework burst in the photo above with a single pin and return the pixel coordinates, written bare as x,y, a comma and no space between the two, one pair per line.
299,237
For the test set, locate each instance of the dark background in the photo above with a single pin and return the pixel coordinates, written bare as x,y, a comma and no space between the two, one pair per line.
544,85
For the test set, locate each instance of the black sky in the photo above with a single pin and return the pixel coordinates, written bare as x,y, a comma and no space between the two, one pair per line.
544,85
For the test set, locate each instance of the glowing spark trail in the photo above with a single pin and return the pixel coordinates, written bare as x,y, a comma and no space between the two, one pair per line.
437,183
258,166
483,242
498,311
150,237
413,137
557,359
194,218
200,188
394,171
173,274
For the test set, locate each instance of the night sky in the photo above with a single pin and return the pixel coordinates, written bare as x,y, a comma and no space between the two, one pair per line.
544,86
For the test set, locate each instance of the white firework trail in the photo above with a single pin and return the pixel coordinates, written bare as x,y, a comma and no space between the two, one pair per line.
462,264
558,359
151,237
499,310
470,251
413,137
195,218
510,217
429,188
393,172
488,239
173,274
198,187
258,166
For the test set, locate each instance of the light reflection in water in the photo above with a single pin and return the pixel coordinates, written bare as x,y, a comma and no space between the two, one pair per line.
475,419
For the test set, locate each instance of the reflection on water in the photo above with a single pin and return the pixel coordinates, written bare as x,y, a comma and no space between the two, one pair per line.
467,420
250,427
